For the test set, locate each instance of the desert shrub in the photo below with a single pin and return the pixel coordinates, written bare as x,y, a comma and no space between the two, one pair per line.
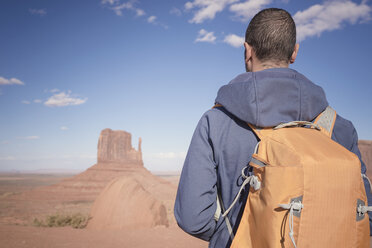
58,220
37,222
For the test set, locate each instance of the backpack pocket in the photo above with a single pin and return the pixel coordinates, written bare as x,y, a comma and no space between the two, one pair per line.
280,185
267,223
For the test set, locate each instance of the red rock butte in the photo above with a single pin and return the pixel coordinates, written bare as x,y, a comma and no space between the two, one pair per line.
116,159
116,147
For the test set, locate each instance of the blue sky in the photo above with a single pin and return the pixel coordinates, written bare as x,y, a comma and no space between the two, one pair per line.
69,69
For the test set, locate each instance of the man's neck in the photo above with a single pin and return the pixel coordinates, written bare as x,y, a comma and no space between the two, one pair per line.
268,65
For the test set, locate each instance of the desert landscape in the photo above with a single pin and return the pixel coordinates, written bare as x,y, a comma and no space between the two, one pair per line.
115,203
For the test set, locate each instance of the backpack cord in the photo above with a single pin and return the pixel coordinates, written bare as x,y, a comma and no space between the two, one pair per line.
369,181
220,206
252,180
292,206
227,221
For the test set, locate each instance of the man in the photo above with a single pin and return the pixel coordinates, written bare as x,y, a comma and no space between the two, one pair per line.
268,94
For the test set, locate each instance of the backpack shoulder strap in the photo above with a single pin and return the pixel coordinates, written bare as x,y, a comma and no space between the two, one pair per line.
326,121
261,132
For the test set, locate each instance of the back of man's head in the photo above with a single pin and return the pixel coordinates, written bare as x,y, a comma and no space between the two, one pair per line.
272,35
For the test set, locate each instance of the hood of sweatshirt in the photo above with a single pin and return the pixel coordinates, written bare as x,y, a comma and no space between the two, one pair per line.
272,96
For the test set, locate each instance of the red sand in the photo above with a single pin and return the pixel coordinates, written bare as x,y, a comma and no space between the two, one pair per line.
160,237
17,211
126,203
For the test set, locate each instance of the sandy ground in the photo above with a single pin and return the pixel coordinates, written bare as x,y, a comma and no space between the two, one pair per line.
17,212
38,237
21,201
17,183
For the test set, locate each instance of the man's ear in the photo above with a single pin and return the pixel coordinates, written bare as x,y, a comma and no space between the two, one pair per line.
248,52
248,57
294,54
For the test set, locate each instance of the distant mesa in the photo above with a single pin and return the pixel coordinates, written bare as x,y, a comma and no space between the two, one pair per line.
115,157
116,147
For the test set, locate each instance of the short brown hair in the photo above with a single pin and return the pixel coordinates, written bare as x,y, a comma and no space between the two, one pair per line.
272,35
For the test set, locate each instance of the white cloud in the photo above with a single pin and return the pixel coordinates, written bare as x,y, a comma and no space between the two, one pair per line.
206,9
205,36
329,16
151,19
37,101
169,155
111,2
29,137
86,156
40,12
5,81
62,156
63,99
54,90
246,10
26,102
7,158
140,12
118,8
164,161
175,11
64,128
234,40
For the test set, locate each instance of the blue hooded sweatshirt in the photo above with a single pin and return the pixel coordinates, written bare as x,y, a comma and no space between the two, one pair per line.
223,144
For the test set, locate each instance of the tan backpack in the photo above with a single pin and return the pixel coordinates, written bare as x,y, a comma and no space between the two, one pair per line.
306,190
